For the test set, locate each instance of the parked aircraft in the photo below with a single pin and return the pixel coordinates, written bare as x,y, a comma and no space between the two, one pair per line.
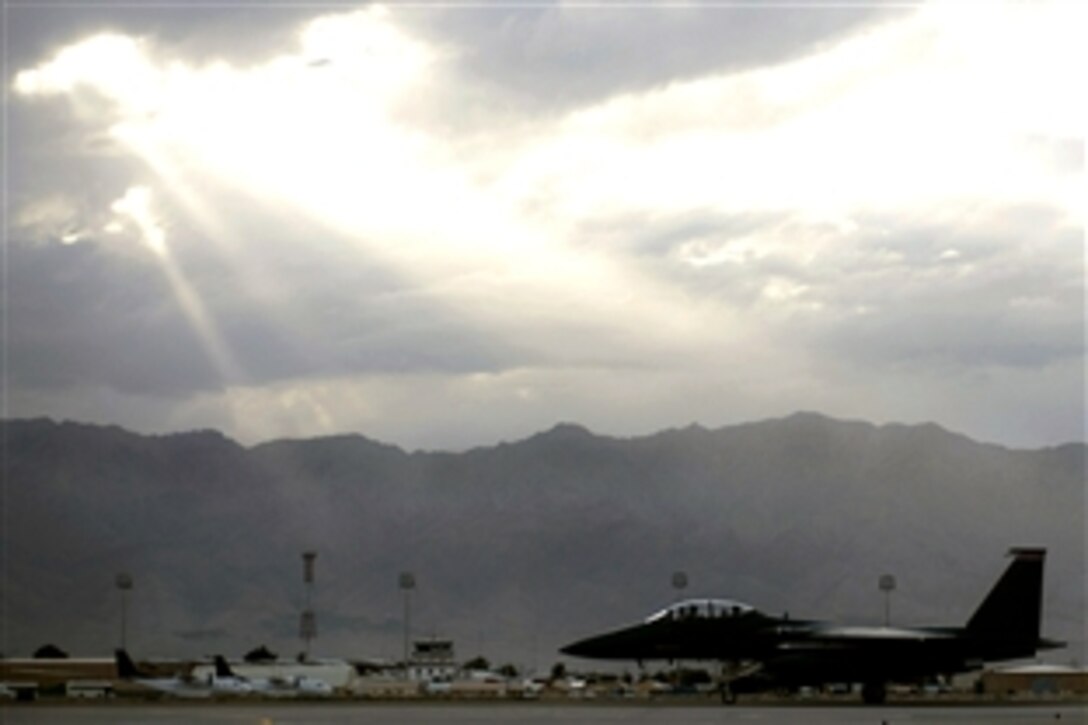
179,685
276,686
765,652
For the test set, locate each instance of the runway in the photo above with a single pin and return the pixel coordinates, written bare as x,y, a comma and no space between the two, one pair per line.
532,714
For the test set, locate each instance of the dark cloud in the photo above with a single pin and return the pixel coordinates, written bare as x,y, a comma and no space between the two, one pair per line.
93,313
246,31
81,315
546,53
659,236
944,335
552,57
1000,291
991,286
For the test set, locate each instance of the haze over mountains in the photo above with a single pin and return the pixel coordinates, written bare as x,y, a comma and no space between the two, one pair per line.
521,547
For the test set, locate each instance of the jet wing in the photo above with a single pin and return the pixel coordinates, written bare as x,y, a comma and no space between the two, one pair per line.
856,654
862,635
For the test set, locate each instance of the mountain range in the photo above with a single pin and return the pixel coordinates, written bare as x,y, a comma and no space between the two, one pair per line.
520,547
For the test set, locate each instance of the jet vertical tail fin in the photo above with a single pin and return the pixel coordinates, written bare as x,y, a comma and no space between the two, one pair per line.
222,669
126,668
1013,608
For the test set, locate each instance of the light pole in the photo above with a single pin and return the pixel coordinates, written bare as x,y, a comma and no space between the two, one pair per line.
308,622
887,585
407,583
124,584
679,583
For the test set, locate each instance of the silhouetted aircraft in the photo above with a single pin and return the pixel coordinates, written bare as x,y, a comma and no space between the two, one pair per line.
276,686
765,652
179,686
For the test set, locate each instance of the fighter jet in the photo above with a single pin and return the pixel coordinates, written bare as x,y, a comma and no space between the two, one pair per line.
763,652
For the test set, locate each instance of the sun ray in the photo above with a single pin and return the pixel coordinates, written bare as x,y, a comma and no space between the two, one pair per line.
136,207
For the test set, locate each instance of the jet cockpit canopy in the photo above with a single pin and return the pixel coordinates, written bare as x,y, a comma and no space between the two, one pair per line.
701,609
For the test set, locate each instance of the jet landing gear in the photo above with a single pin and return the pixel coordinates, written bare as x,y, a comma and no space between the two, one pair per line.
874,693
730,673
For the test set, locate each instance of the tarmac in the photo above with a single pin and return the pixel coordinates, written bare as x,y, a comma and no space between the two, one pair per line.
502,713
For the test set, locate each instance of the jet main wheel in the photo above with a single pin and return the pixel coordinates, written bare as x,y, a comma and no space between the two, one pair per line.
874,693
728,696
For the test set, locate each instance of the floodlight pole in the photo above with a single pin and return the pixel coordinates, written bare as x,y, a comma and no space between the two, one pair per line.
407,583
308,622
679,583
887,585
124,584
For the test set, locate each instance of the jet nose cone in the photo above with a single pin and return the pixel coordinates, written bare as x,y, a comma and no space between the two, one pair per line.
614,645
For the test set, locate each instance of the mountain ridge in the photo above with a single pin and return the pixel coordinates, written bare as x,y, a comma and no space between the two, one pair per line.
562,428
520,546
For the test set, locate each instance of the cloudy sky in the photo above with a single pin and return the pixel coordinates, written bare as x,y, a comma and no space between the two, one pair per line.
445,225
